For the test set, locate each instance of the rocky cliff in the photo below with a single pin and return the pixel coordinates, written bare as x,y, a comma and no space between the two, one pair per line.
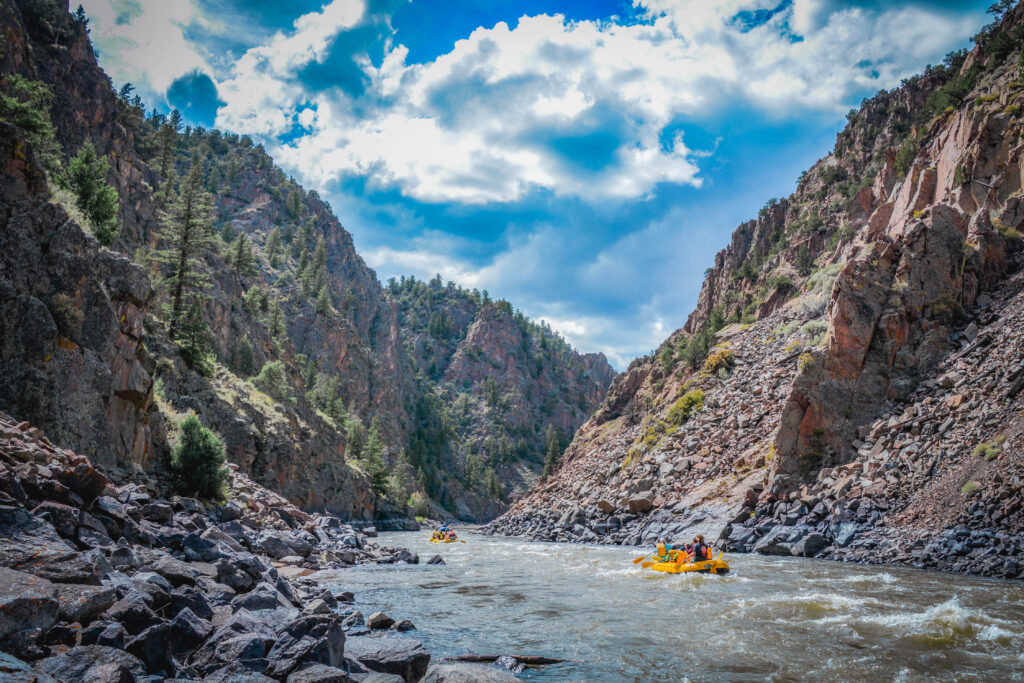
848,384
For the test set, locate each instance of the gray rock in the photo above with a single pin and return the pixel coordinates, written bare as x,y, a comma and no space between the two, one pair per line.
26,602
263,596
83,603
93,664
109,633
13,670
809,546
27,542
436,559
404,657
319,673
133,612
379,620
310,639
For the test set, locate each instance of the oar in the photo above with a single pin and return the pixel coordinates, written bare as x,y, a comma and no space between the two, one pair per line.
641,559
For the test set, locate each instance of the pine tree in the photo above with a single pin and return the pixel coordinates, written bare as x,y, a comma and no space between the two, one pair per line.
94,196
199,460
295,204
373,457
354,436
554,441
274,247
243,257
167,139
194,338
245,358
188,238
278,330
323,302
26,104
803,262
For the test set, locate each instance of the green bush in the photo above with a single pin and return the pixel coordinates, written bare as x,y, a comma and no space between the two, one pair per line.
199,460
987,451
685,406
419,504
970,488
272,380
87,178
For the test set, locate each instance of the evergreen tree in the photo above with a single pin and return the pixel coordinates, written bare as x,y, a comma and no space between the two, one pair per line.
323,302
242,256
245,358
273,380
492,484
490,390
295,204
167,139
188,238
26,104
354,436
554,440
803,262
373,458
199,460
94,196
278,330
194,338
274,247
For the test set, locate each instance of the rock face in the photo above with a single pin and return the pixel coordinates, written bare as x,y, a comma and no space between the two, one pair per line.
134,597
849,383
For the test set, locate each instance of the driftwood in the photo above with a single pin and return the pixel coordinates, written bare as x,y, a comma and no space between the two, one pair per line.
529,660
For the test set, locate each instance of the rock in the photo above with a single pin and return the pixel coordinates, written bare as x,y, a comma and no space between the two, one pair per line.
774,543
401,656
317,606
26,602
238,672
461,672
606,506
177,572
263,596
153,647
318,673
188,597
82,603
310,639
27,542
109,633
64,518
379,620
809,546
845,534
187,631
403,625
93,664
159,513
642,502
133,612
13,670
124,558
85,481
436,559
280,544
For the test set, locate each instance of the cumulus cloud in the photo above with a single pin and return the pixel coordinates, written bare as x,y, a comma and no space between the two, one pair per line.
575,108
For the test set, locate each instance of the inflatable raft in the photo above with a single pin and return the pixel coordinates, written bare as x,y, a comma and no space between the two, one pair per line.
677,564
445,540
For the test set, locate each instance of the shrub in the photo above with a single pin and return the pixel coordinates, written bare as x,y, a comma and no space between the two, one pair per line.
723,358
987,451
970,488
806,361
815,330
685,406
272,380
199,460
419,504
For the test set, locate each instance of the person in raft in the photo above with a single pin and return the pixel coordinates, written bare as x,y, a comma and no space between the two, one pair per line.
698,551
661,549
450,535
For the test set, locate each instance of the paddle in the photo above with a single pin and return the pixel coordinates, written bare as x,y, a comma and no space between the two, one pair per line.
641,559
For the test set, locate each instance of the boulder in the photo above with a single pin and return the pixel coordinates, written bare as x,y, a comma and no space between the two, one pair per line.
13,670
153,647
188,597
436,559
809,546
319,673
26,602
109,633
310,639
82,603
379,620
460,672
404,657
133,612
642,502
263,596
187,631
27,542
93,664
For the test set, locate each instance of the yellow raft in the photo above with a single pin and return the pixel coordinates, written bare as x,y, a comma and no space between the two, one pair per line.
444,540
677,564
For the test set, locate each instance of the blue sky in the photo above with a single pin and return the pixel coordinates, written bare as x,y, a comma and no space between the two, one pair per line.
584,159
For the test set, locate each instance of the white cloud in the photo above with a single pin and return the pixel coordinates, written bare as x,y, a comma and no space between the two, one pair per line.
574,108
145,43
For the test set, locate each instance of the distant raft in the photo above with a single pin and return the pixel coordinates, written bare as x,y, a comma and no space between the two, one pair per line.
444,540
677,564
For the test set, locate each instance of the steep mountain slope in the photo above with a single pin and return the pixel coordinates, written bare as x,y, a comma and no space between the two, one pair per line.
511,386
807,404
313,387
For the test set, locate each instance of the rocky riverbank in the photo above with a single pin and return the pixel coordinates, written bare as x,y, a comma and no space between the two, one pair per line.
108,582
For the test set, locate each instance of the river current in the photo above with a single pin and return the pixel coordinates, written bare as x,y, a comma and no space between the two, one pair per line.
774,619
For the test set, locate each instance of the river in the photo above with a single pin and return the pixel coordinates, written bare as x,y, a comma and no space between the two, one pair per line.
775,619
